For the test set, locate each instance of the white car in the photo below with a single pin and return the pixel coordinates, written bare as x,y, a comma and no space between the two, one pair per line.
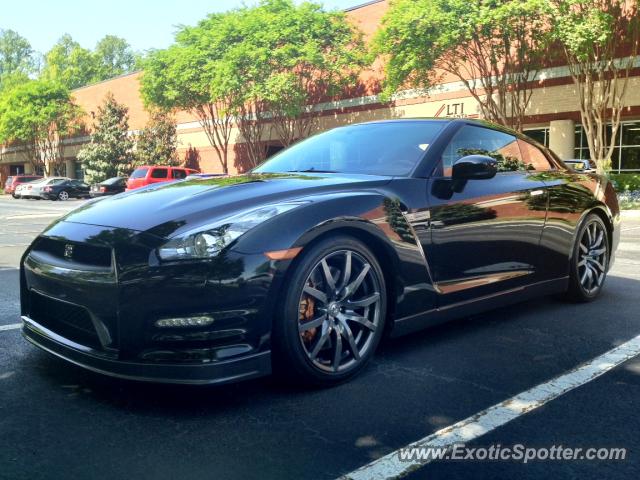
33,189
582,166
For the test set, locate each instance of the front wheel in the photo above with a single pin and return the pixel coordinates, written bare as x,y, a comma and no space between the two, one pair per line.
590,260
333,313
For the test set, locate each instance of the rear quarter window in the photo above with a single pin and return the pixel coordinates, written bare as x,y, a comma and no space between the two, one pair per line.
159,173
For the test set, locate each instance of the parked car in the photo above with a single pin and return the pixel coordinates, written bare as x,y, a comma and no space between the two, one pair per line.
111,186
65,190
302,265
582,166
14,181
33,189
147,175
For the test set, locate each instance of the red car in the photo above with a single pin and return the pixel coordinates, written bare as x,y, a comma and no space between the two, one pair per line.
147,175
12,182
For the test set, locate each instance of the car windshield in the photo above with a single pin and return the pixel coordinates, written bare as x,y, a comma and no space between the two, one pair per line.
392,148
139,173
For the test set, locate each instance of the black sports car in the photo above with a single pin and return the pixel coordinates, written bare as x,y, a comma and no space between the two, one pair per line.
303,264
65,190
111,186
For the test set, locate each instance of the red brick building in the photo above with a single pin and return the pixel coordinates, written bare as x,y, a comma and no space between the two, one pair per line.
553,115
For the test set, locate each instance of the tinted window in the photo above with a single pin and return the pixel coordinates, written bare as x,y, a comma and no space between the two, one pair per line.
112,181
56,181
392,148
159,173
533,157
179,174
139,173
471,140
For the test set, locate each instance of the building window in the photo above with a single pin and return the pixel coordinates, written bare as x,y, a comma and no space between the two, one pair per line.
540,135
626,155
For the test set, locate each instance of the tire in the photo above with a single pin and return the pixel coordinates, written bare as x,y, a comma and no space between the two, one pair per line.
14,195
589,261
310,330
63,196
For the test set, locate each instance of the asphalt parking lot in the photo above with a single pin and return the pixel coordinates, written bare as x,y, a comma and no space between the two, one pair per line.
58,421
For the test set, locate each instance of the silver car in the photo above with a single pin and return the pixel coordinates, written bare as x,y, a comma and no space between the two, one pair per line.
33,189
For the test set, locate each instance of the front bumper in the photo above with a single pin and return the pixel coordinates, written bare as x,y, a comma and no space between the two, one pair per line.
98,309
233,370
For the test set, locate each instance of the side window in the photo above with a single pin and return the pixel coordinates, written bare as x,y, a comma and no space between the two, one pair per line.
472,140
179,174
159,173
534,157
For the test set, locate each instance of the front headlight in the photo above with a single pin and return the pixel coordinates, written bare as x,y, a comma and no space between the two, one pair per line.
208,241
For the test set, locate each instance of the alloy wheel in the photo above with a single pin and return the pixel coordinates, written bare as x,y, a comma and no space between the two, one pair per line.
339,311
63,195
592,264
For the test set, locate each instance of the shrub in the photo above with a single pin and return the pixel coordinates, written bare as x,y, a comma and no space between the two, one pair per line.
625,182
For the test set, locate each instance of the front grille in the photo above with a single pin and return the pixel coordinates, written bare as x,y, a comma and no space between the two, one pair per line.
76,252
67,320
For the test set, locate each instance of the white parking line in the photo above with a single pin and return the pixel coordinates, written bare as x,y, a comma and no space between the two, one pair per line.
12,326
390,466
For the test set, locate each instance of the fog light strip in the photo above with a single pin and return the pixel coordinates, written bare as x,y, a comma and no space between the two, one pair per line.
201,321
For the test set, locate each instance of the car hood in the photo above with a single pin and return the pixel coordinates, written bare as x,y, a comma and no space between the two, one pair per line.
165,209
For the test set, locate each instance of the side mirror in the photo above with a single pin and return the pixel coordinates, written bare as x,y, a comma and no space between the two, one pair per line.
475,167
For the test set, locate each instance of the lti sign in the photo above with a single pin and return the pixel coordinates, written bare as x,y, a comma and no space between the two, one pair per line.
454,110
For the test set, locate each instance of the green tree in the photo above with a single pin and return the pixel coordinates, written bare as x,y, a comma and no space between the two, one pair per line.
300,54
183,77
75,66
261,66
494,47
599,41
114,56
110,151
17,59
156,144
38,115
70,64
16,54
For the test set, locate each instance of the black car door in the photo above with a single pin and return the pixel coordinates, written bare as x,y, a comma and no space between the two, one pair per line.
484,233
78,188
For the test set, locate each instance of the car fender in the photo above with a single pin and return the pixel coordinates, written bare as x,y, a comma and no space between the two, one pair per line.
374,218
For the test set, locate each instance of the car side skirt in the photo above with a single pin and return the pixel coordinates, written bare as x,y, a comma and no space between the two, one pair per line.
419,321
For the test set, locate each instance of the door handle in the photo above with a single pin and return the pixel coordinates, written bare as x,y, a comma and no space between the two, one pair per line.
535,193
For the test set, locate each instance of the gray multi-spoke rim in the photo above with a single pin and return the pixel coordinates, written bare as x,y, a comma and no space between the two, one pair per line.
63,195
592,263
339,311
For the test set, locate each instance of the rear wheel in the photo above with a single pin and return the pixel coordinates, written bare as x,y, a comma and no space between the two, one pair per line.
333,313
590,260
63,195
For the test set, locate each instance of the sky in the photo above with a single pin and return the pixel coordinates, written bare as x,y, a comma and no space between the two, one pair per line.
144,24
